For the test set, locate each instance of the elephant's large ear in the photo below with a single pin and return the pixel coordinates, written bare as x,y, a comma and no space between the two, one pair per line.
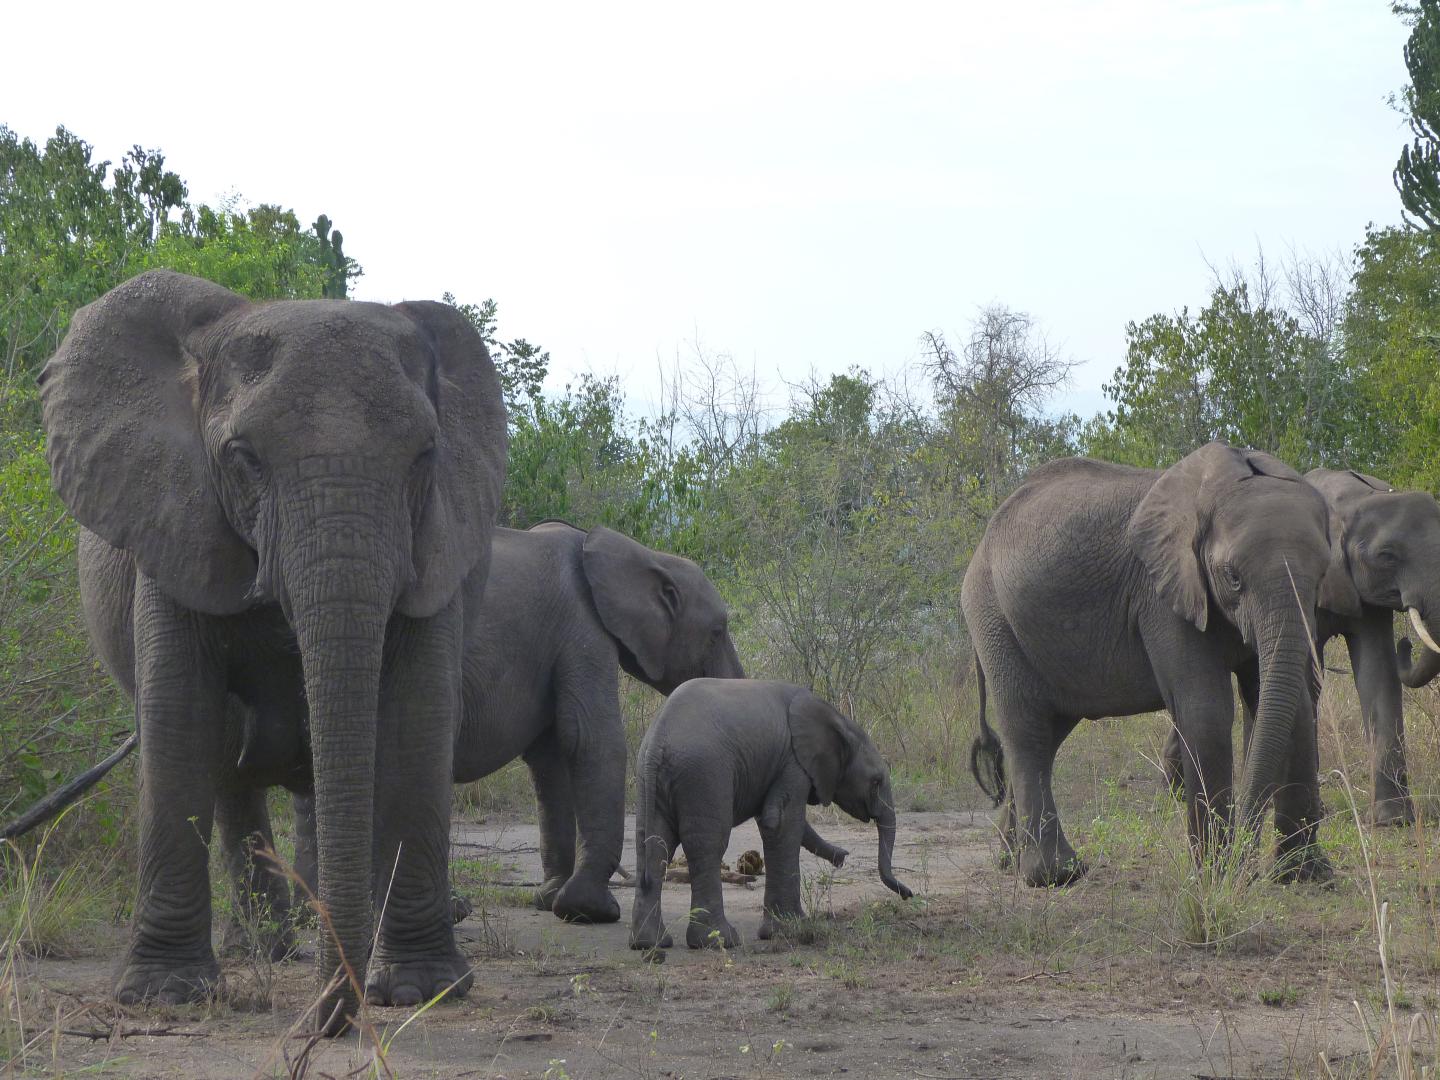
1337,587
1165,529
456,525
821,742
123,436
637,598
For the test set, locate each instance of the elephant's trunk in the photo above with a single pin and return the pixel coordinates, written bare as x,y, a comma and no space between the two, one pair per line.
338,573
727,665
1286,662
885,823
1416,671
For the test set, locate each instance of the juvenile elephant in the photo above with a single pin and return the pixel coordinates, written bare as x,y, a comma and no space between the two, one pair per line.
287,507
1103,590
1387,544
720,753
564,610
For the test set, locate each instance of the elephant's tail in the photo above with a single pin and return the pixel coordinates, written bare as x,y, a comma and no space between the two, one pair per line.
987,756
644,811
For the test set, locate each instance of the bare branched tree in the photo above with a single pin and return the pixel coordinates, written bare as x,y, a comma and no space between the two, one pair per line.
994,386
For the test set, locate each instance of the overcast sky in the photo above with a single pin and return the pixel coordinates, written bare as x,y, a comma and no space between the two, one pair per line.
805,186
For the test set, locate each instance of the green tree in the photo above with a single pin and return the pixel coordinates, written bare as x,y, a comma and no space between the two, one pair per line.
1417,173
522,367
339,268
261,253
1246,369
1392,334
69,230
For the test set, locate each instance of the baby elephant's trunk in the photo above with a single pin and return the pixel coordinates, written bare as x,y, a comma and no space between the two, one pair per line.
885,822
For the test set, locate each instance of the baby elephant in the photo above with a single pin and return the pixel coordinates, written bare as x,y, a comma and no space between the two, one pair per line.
722,751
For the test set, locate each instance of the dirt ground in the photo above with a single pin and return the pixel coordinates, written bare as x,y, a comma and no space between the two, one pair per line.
929,988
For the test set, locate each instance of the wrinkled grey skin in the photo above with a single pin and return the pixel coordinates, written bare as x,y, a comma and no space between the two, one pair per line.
1389,549
287,509
722,752
1103,590
563,612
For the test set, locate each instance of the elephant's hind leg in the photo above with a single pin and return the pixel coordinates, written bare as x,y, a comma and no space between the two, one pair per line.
556,810
654,846
1031,736
262,916
596,776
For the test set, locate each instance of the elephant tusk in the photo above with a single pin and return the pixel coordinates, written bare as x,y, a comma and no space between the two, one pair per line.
1423,634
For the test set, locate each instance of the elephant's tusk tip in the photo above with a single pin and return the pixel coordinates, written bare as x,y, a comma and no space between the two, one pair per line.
1422,633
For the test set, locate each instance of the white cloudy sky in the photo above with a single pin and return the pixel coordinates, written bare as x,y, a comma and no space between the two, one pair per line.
807,186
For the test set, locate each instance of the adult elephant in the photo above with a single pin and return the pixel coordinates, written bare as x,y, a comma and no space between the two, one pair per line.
564,611
1388,546
297,498
1103,590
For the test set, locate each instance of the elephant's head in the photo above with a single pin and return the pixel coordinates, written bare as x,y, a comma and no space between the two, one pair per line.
845,767
340,460
668,618
1389,546
1236,537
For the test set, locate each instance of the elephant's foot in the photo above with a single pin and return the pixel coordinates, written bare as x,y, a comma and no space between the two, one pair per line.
650,936
169,984
410,982
772,921
1308,865
544,899
586,900
711,934
1064,868
1396,810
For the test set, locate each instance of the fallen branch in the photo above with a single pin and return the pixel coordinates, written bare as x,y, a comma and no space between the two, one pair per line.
67,793
125,1033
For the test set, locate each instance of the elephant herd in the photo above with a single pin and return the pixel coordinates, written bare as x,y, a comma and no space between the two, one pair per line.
289,557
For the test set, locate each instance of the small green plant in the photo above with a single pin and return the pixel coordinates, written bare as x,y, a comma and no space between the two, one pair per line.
1279,997
781,998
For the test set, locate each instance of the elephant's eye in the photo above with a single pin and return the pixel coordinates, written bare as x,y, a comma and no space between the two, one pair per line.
1386,557
244,459
1231,577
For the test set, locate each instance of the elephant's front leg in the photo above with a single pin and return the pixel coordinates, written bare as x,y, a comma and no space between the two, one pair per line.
705,834
550,774
591,734
782,825
180,708
818,846
415,957
1377,683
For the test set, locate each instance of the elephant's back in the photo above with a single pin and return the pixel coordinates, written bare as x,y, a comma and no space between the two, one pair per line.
1054,581
710,712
